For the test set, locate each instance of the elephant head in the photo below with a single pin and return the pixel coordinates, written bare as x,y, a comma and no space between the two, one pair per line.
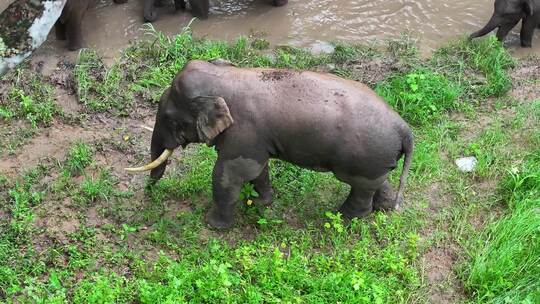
506,15
181,121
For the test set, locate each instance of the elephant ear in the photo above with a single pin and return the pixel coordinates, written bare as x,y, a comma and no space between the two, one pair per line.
213,117
528,6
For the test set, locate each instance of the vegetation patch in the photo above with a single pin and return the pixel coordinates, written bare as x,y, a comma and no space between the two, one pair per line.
76,229
506,263
420,96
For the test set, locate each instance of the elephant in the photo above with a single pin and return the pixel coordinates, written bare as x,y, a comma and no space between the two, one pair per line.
507,14
199,8
314,120
69,25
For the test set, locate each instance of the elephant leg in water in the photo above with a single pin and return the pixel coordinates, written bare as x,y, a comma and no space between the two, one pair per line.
200,8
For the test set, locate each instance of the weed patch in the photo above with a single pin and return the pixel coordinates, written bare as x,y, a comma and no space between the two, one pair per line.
30,99
420,96
479,66
506,268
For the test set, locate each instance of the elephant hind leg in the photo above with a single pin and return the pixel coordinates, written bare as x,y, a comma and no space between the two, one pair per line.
359,203
263,187
385,198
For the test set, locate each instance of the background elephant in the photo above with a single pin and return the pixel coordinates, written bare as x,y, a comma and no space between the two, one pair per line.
199,8
507,14
317,121
69,25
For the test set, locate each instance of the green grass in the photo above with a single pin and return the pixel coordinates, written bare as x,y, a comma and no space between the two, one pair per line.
506,263
97,86
79,157
420,96
29,99
73,232
460,61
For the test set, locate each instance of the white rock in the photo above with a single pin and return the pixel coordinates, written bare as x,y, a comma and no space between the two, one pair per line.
466,164
321,47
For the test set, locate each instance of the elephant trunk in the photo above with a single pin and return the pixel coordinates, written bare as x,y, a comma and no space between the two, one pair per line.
157,149
150,13
493,23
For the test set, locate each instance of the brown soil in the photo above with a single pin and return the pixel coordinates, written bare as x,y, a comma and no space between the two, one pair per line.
444,287
51,143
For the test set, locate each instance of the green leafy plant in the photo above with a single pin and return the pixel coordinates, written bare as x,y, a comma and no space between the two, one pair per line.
420,96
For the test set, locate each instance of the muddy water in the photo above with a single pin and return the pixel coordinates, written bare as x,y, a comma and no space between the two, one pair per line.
305,23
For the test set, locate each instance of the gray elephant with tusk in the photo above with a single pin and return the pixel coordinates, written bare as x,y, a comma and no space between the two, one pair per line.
507,14
314,120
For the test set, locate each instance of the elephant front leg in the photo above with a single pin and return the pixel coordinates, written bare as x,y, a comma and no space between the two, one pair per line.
74,34
200,8
527,31
263,186
280,2
228,178
60,30
180,4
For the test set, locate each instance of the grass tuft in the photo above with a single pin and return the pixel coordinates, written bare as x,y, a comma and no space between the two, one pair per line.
420,96
506,265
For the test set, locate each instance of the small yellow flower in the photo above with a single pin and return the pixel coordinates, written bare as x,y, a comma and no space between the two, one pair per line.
249,202
126,137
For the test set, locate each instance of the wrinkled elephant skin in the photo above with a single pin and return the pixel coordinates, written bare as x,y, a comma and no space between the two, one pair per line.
314,120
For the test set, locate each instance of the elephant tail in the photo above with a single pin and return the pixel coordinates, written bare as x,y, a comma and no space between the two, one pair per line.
407,150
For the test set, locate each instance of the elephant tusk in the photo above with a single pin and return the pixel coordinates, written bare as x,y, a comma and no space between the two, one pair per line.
160,160
147,128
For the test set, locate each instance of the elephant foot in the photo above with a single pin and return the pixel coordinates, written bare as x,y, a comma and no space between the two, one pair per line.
74,46
280,2
150,17
526,44
385,198
202,16
180,4
216,220
265,199
351,211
